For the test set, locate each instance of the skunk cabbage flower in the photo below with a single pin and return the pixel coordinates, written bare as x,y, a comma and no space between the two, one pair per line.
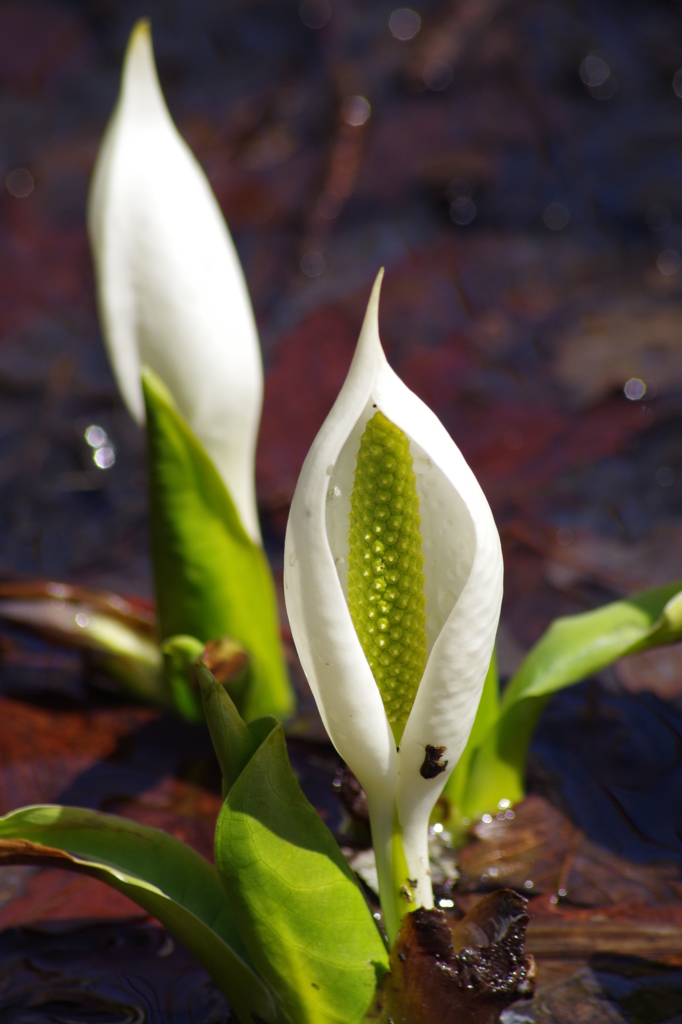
393,585
171,290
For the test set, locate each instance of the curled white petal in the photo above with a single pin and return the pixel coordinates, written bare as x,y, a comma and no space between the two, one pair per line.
170,288
326,641
463,574
463,589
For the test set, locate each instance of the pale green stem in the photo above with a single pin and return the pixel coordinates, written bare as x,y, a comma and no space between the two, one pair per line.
396,894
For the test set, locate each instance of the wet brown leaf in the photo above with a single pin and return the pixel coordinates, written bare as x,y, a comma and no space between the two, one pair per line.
464,972
540,851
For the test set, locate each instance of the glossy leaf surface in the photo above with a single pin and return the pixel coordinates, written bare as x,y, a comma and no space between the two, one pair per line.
572,648
299,908
211,580
160,873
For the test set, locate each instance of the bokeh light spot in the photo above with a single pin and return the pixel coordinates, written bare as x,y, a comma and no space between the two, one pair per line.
594,70
329,205
596,74
355,110
104,457
556,216
463,211
315,13
437,75
669,262
313,263
19,182
634,389
95,436
404,24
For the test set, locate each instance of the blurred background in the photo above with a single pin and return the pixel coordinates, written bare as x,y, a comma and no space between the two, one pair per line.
516,165
517,168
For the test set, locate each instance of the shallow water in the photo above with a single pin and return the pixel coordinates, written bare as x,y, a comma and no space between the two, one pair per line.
614,761
104,974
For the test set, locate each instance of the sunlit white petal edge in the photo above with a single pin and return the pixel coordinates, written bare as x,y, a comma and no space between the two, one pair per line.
170,287
463,574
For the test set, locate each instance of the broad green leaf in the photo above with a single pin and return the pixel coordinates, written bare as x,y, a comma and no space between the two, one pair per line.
160,873
211,580
268,839
572,648
299,908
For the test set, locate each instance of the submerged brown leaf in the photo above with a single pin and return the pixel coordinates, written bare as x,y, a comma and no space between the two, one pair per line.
226,660
541,851
136,613
457,972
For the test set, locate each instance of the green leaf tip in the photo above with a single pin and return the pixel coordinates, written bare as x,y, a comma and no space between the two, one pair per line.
233,741
386,567
179,653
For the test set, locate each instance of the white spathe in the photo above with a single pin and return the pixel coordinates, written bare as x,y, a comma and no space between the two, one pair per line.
170,287
463,586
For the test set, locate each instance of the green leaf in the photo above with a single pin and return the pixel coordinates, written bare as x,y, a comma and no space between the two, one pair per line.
211,580
486,717
572,648
233,741
179,654
299,908
160,873
298,905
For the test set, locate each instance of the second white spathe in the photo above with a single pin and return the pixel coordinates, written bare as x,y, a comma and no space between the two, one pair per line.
171,291
463,587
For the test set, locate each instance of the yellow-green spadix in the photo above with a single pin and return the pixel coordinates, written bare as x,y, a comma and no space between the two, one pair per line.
170,288
393,585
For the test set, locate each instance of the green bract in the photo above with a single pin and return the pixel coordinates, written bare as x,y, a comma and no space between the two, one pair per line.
210,578
386,567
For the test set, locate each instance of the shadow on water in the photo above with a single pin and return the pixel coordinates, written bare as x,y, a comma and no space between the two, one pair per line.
614,762
646,992
607,990
104,974
161,747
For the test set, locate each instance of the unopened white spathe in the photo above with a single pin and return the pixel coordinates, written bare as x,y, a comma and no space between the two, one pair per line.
171,291
463,586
